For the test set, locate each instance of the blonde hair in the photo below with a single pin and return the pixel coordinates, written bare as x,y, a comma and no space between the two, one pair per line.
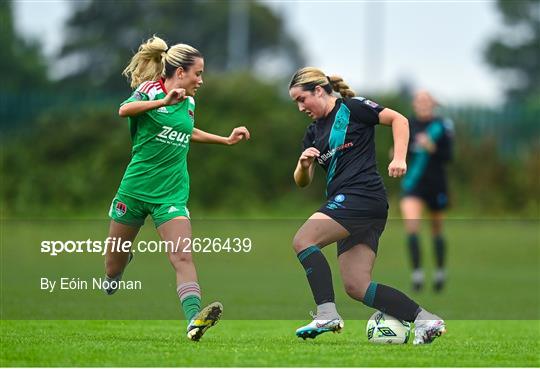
155,60
309,77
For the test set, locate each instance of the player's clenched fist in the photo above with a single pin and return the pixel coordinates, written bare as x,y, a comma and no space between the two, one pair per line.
397,168
174,96
308,156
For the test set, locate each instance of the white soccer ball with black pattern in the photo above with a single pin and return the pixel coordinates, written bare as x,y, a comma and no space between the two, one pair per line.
383,328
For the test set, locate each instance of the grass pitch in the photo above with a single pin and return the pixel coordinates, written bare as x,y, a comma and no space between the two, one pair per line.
259,343
491,303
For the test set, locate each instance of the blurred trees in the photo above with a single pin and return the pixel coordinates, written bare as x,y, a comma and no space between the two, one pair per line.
103,35
74,158
516,51
22,68
21,61
69,155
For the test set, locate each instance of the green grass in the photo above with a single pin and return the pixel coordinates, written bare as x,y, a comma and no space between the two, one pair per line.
491,302
258,343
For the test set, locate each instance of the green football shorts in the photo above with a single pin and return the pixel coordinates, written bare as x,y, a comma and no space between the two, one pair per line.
133,212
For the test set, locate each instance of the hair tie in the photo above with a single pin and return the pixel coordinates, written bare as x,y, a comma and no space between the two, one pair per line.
328,78
166,50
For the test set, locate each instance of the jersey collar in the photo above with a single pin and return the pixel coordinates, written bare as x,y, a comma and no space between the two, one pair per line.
162,84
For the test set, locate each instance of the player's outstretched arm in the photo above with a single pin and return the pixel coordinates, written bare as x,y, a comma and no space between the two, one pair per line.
238,134
303,174
400,131
134,108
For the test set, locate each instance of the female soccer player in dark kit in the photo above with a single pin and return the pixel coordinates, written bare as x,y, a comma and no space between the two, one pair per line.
341,140
426,184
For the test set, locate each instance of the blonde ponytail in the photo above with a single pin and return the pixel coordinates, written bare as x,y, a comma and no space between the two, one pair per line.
148,64
155,60
339,85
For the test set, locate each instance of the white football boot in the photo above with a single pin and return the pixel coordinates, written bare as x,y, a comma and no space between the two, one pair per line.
427,327
320,324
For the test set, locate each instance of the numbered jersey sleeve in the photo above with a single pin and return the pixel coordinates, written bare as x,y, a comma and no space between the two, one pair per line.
364,110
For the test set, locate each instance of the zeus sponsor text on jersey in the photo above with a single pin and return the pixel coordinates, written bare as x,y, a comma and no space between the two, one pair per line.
171,135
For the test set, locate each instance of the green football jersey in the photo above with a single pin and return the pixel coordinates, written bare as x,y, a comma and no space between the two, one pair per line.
157,172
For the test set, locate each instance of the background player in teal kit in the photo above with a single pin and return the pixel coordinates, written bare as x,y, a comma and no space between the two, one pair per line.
341,140
161,114
426,184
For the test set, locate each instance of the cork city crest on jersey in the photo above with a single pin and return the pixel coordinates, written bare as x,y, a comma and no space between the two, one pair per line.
120,208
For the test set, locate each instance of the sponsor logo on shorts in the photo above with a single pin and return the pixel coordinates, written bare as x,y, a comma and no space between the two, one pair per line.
442,200
339,198
332,205
336,202
120,208
172,209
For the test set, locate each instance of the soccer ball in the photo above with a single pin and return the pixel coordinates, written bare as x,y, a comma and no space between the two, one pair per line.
383,328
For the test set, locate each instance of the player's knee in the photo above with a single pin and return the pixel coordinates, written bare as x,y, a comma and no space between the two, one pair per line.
354,291
436,230
300,243
357,289
180,257
412,225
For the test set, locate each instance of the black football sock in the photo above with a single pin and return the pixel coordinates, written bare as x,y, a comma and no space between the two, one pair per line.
440,251
414,250
318,274
391,301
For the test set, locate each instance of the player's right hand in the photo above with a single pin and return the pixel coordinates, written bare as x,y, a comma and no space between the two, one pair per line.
174,96
308,156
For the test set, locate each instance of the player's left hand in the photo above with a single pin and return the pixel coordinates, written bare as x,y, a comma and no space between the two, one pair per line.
397,168
237,135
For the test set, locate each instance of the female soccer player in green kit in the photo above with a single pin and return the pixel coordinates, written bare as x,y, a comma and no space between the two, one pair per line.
156,182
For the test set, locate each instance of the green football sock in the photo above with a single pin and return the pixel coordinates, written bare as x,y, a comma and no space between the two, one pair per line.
190,298
191,306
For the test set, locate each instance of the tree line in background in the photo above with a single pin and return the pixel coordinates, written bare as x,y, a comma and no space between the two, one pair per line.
64,149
